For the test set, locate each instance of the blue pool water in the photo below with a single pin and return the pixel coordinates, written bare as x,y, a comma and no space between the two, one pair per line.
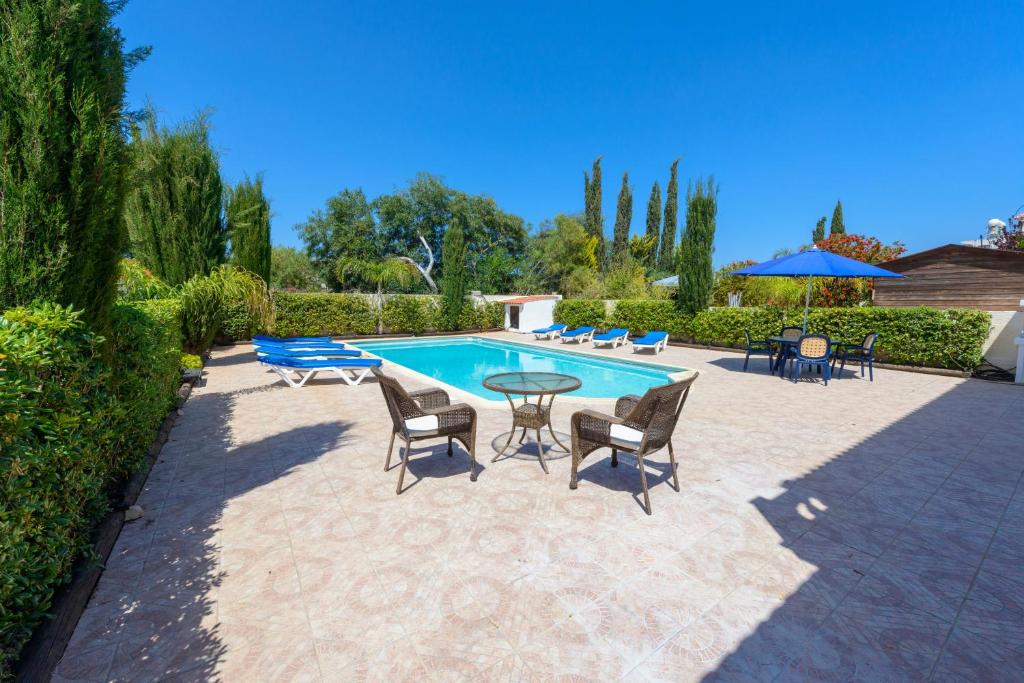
464,362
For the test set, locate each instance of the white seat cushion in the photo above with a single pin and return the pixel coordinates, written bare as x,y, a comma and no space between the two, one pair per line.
424,424
626,437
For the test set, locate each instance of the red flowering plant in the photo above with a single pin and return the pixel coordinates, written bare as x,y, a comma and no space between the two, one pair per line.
834,292
1012,239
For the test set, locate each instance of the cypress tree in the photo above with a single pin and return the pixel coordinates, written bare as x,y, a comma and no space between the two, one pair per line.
593,221
696,277
837,227
247,213
654,220
63,154
623,218
819,230
666,251
174,205
453,272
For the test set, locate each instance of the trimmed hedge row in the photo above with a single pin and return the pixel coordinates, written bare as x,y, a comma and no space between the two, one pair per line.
77,415
311,314
951,338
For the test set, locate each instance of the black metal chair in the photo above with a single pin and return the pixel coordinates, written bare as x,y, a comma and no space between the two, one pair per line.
758,347
863,353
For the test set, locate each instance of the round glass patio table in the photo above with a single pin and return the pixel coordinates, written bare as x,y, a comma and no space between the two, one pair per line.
531,415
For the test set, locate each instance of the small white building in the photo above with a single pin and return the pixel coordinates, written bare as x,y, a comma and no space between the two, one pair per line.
526,313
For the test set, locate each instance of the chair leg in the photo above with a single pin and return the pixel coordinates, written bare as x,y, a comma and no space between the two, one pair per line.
643,482
615,458
871,369
675,467
745,361
405,462
391,446
449,446
827,373
540,453
472,454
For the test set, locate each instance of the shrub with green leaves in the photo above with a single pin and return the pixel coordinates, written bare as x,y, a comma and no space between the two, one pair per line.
297,314
204,299
577,312
77,415
640,316
190,361
406,313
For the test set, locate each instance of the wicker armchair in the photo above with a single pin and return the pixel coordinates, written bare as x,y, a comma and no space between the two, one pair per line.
641,426
426,414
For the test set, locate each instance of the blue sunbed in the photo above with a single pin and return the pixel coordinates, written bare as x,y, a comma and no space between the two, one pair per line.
612,337
549,332
652,340
287,340
357,368
308,353
580,334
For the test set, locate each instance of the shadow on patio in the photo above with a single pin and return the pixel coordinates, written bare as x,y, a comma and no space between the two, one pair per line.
158,611
908,556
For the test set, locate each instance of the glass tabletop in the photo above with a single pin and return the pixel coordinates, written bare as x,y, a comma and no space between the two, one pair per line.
532,383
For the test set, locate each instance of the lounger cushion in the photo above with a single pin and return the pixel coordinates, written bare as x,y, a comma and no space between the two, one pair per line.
424,424
626,437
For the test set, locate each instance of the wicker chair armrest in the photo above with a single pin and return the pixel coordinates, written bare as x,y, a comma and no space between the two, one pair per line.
454,415
625,404
592,426
430,398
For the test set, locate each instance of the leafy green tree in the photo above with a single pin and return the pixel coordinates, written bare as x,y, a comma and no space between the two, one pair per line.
653,222
666,251
626,278
819,230
623,219
174,209
837,227
453,279
642,247
696,277
593,220
381,275
292,269
247,212
344,229
562,247
63,155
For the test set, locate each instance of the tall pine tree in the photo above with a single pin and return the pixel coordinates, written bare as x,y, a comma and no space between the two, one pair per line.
654,221
248,222
837,227
819,230
63,154
453,272
666,250
696,276
593,221
623,218
174,206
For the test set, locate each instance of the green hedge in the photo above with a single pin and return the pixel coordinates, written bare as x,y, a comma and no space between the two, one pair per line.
313,314
415,314
923,336
577,312
77,415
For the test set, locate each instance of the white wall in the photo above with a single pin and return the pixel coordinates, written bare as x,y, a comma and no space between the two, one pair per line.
533,315
999,348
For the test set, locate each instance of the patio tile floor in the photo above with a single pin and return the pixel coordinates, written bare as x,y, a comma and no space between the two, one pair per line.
860,531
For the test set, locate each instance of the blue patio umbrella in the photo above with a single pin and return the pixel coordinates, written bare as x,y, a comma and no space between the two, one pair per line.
814,263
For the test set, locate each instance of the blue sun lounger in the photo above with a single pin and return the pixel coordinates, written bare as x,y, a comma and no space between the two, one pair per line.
308,353
580,334
287,340
652,340
352,370
549,332
301,346
612,337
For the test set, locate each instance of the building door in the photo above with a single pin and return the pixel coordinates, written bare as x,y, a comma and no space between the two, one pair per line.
513,317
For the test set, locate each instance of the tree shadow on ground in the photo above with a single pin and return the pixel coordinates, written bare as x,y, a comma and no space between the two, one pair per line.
906,554
153,615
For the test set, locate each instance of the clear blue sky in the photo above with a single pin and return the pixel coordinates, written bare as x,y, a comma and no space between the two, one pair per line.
909,112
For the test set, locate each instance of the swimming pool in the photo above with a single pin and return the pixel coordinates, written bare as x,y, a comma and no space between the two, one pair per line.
463,362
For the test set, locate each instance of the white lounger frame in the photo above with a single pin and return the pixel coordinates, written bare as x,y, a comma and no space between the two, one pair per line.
579,338
550,334
354,377
658,346
613,342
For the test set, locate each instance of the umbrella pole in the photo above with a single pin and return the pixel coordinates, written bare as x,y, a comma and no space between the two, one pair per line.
807,301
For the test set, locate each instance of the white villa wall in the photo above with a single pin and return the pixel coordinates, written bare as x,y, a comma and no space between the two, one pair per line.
999,348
